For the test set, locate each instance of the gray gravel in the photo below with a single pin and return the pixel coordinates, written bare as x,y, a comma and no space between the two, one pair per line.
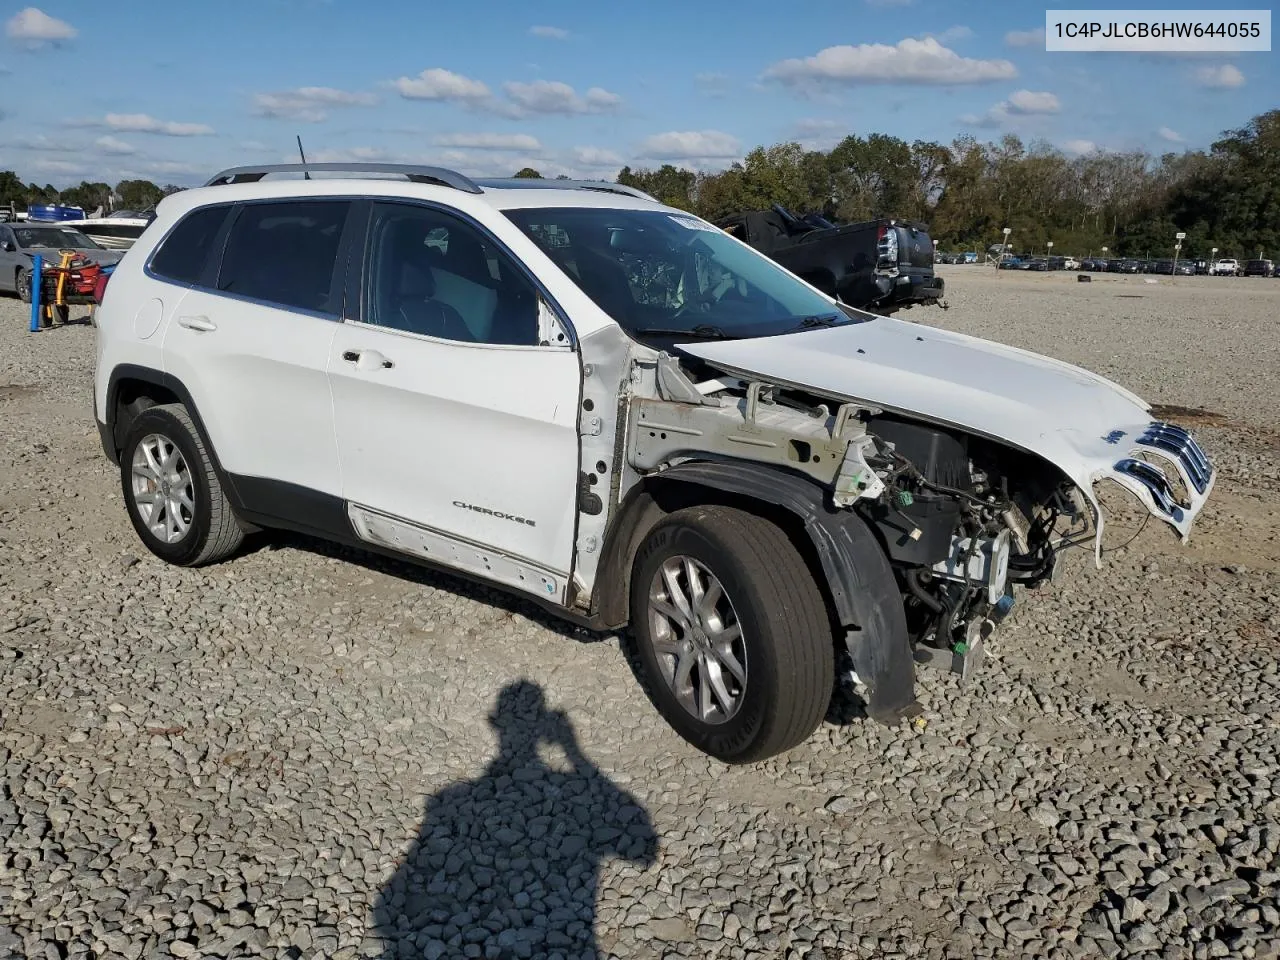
308,752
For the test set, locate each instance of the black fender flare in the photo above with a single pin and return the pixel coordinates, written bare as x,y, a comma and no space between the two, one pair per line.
859,580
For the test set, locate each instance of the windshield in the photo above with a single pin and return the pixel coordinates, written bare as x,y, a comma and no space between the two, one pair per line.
662,273
55,238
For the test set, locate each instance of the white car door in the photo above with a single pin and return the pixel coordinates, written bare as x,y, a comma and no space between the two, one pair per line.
457,429
251,345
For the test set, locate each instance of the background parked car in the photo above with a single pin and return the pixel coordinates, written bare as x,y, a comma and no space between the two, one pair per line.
20,243
1225,268
1259,268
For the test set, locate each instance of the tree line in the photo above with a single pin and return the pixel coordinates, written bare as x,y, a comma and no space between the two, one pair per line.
967,191
125,195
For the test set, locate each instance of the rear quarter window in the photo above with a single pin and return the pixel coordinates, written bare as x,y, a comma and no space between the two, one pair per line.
183,254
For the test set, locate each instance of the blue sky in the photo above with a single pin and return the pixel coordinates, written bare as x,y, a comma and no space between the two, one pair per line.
173,92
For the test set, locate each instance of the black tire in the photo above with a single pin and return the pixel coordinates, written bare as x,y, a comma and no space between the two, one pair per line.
786,631
22,285
213,532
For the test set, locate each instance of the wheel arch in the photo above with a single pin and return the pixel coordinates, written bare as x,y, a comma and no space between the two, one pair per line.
131,389
846,558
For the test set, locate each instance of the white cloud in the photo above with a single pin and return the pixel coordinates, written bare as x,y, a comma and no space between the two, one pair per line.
308,104
1025,38
1021,103
910,61
1173,136
143,123
439,84
488,141
691,144
522,99
114,146
1225,77
1079,147
596,157
552,96
550,33
35,28
1024,102
42,144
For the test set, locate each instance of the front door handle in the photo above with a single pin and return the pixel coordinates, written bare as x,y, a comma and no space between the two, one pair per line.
367,359
203,324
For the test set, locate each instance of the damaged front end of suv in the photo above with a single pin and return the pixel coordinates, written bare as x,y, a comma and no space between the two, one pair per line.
974,466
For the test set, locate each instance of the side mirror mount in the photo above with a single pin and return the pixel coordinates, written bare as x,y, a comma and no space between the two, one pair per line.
551,331
6,246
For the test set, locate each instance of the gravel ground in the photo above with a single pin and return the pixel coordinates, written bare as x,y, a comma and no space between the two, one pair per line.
308,752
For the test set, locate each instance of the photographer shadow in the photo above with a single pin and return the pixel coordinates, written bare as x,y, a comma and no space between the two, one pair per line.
506,865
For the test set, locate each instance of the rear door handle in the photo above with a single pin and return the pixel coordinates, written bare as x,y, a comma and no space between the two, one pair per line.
367,359
203,324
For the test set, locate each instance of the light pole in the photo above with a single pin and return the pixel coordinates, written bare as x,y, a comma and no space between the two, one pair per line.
1050,246
1177,248
1004,246
935,249
1213,260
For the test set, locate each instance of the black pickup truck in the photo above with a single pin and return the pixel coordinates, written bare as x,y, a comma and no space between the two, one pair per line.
881,265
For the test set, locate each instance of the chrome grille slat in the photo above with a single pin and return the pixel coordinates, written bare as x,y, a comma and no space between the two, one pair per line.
1189,447
1198,477
1178,442
1155,482
1183,436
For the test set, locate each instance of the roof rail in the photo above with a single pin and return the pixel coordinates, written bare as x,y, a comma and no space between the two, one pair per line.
604,186
418,174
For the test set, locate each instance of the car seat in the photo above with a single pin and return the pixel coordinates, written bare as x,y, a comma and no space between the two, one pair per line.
404,294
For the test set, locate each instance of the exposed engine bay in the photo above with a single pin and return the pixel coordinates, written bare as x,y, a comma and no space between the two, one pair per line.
962,518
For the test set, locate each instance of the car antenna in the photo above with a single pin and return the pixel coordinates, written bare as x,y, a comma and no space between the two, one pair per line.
306,175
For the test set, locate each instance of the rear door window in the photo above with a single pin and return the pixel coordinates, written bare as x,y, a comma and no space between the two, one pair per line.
185,252
284,254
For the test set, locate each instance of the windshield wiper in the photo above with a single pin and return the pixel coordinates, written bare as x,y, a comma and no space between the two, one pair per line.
703,331
820,320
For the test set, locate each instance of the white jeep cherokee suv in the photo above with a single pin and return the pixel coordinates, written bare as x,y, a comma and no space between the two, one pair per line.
571,391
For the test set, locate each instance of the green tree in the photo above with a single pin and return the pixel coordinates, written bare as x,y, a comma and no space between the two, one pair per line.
90,196
669,184
138,194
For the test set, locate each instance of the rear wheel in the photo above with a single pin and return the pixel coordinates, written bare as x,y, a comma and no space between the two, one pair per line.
732,637
172,492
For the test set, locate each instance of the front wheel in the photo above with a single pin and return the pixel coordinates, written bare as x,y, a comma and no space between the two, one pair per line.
23,282
733,641
172,491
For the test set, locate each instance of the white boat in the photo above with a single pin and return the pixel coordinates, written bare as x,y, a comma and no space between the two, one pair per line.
115,231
